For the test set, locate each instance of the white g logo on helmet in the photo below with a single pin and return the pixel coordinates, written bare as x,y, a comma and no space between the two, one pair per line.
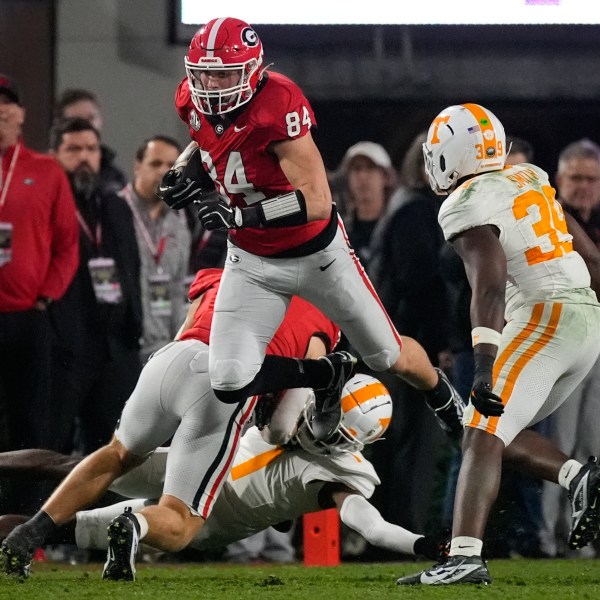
463,140
366,414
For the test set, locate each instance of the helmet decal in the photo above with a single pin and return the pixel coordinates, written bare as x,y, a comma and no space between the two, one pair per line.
463,140
249,37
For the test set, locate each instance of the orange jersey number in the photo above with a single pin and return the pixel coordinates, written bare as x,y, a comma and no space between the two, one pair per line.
551,226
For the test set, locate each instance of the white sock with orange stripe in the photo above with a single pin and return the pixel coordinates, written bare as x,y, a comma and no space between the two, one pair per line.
464,545
568,472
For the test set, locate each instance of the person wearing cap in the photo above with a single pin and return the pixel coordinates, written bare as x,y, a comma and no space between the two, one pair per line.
38,259
370,179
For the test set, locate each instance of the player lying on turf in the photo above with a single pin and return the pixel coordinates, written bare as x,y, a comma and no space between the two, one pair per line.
266,486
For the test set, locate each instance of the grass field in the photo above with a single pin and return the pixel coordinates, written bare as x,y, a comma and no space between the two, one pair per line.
518,579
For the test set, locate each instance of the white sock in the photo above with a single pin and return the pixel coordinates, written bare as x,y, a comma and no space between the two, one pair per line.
568,472
465,546
143,524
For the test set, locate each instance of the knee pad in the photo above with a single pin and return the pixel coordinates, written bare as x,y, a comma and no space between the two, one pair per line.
228,378
231,374
381,361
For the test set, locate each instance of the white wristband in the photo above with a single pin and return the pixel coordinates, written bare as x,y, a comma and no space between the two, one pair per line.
485,335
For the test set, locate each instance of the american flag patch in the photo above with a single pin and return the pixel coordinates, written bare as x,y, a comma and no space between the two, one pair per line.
474,129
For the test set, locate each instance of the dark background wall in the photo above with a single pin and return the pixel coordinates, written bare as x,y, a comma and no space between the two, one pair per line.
548,124
27,53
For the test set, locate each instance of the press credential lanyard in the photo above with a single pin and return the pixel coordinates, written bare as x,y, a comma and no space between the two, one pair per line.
11,170
95,239
155,249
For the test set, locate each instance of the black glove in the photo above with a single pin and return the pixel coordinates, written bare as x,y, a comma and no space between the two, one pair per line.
187,181
178,192
485,401
263,411
482,397
214,213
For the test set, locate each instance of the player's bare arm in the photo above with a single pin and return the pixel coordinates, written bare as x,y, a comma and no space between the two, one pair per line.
485,265
189,317
301,162
316,348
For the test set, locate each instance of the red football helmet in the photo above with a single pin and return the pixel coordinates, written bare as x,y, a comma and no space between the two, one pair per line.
225,44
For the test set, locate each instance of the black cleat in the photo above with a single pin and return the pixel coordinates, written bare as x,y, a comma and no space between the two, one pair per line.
15,561
450,415
123,540
457,569
584,494
328,410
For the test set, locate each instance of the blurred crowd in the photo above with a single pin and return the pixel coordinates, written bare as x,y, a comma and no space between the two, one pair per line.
94,271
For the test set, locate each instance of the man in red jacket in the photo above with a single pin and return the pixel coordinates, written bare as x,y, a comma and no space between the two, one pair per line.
39,255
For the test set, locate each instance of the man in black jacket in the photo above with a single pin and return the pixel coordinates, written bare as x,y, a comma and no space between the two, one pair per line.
84,104
98,323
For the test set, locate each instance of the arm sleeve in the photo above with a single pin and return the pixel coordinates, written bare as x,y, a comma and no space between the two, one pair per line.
359,514
64,240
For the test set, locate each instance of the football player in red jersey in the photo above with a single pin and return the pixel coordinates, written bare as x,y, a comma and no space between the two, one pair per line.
251,130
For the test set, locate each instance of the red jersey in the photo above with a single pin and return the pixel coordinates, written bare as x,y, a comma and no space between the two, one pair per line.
45,234
301,322
237,155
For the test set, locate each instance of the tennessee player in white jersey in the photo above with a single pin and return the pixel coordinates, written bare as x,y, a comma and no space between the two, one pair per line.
523,265
268,484
252,130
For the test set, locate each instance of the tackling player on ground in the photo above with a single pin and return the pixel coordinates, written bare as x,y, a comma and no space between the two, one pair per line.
267,485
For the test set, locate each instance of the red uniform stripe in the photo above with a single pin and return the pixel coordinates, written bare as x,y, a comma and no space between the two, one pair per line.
229,460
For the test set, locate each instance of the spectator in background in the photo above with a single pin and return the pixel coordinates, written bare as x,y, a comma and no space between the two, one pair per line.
84,104
98,323
38,258
575,426
164,244
368,181
406,273
519,150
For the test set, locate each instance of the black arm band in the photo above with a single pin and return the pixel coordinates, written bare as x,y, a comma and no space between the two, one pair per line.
484,366
285,210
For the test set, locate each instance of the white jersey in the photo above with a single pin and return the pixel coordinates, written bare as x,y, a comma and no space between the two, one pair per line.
520,202
267,485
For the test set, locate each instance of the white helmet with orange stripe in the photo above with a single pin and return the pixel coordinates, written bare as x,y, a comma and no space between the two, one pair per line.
366,414
463,140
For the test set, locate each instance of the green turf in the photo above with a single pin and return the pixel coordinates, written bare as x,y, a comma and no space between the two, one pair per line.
519,579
